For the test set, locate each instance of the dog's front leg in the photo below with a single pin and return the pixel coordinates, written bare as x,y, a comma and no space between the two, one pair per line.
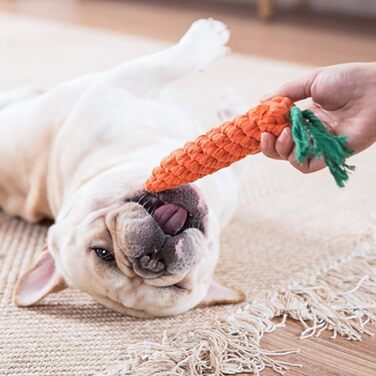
203,43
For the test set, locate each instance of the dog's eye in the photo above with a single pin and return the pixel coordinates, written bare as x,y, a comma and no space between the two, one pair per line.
104,255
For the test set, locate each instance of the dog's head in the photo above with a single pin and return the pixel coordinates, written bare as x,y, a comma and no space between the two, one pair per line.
138,253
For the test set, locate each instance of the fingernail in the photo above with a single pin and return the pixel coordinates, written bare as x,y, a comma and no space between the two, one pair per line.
284,135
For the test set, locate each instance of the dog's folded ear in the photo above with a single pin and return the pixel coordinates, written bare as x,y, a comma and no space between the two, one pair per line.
219,294
37,282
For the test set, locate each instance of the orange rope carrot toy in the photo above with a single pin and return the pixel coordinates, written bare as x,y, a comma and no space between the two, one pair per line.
235,139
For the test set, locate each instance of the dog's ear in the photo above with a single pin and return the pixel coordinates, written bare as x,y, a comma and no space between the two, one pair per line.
219,294
37,282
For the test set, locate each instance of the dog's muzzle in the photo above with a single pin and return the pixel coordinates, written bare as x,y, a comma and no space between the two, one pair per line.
162,231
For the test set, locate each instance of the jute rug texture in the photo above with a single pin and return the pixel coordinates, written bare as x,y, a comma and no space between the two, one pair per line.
298,245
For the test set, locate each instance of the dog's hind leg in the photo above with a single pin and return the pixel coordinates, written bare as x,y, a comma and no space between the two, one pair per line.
203,43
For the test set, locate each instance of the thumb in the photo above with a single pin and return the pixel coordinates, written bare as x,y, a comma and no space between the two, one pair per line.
296,90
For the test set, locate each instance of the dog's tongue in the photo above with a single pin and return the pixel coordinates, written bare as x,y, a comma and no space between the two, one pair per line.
171,218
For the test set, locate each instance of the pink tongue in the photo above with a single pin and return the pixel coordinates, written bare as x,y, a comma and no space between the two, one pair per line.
171,218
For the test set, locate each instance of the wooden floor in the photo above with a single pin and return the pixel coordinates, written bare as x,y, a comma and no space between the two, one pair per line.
323,356
295,36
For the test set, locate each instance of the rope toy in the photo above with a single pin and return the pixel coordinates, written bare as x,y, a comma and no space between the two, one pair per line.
234,140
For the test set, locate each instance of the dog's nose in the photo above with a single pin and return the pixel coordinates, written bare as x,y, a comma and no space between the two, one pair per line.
176,255
150,266
171,218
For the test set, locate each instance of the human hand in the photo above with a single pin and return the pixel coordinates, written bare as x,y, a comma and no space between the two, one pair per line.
343,97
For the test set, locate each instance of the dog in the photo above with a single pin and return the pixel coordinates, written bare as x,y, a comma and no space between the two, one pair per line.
79,154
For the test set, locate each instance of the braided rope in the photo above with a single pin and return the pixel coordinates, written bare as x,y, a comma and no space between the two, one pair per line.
221,146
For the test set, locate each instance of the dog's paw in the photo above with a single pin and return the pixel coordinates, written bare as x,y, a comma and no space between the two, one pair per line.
205,41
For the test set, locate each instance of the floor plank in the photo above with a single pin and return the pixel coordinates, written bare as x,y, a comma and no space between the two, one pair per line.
323,355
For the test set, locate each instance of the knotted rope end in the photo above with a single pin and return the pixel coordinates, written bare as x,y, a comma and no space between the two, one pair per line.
313,140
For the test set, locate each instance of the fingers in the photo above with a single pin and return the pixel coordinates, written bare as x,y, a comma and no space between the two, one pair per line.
296,90
267,145
307,167
283,148
285,144
277,148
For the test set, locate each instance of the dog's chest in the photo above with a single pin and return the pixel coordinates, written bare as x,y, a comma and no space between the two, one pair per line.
134,122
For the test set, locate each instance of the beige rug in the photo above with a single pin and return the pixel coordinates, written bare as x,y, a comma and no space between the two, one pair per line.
298,246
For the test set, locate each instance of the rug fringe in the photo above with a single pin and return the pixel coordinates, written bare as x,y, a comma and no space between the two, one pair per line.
341,298
228,345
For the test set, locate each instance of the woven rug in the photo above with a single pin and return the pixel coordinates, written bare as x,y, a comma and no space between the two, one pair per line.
298,245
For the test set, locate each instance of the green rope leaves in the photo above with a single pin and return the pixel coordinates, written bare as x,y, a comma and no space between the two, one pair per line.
313,140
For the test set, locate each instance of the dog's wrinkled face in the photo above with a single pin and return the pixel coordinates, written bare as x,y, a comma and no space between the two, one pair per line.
144,255
152,254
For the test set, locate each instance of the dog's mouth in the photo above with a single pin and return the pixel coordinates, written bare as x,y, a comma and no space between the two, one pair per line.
171,218
175,210
164,232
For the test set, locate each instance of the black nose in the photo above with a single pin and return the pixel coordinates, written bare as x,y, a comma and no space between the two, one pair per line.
150,265
176,255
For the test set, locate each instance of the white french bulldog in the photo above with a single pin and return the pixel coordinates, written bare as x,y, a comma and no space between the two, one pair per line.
80,154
